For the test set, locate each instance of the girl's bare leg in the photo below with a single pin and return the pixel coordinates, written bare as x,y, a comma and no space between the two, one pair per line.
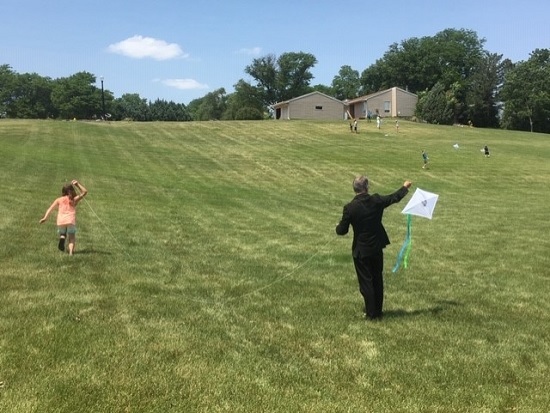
72,240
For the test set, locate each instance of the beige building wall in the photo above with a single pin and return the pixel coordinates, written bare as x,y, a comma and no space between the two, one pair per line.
316,107
407,103
389,103
313,106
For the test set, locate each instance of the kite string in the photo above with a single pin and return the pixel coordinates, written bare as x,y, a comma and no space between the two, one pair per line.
296,268
289,274
107,228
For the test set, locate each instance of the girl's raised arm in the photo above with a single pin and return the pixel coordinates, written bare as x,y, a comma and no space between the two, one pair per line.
81,188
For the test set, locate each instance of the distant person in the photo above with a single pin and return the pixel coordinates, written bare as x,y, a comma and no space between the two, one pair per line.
66,213
425,159
355,126
378,121
397,126
486,151
364,214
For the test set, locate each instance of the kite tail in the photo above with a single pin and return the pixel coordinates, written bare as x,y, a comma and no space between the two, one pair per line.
406,248
406,258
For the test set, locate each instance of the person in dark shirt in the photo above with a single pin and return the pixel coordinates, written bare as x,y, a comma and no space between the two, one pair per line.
364,213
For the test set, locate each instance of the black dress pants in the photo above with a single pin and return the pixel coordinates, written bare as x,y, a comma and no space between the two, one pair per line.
371,282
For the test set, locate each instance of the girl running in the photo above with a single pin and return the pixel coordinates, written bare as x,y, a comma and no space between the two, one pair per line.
66,214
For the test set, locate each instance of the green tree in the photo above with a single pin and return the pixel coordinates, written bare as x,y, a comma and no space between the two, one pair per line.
327,90
131,106
347,84
7,86
264,71
245,103
435,105
210,107
294,75
31,97
77,96
459,54
373,79
454,59
481,103
162,110
526,94
282,78
248,113
193,107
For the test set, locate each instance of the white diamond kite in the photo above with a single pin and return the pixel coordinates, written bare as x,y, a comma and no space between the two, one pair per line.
421,204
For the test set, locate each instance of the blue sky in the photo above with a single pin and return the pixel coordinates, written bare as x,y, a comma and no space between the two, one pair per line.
181,50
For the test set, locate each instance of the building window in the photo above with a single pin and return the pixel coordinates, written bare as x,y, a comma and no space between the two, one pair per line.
387,106
318,108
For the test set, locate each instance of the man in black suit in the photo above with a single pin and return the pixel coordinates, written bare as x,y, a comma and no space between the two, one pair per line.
364,213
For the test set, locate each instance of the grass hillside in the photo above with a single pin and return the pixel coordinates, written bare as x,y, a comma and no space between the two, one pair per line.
208,277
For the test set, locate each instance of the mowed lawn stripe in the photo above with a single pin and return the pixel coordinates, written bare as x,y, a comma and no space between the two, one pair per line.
209,278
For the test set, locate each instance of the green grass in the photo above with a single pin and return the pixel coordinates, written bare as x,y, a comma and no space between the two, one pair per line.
208,277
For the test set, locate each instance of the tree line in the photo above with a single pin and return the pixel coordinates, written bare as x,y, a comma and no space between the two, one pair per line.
31,96
455,78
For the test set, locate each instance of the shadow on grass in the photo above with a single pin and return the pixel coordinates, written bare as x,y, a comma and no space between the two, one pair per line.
87,251
436,310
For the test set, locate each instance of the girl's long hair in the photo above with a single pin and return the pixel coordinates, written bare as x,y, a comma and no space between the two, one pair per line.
68,190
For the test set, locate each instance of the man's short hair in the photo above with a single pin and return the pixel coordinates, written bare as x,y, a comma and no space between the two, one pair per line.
360,184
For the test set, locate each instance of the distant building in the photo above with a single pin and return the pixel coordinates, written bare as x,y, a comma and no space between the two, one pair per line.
392,102
312,106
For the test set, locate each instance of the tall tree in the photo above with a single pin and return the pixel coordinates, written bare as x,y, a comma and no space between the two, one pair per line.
294,75
31,97
459,54
282,78
373,78
436,105
245,103
327,90
77,96
482,106
7,85
452,59
210,107
264,71
131,106
163,110
526,94
346,85
419,63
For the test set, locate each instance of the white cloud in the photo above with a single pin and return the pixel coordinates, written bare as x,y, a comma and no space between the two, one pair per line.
139,47
184,84
254,51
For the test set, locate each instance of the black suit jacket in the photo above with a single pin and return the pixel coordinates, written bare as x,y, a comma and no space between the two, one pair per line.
364,213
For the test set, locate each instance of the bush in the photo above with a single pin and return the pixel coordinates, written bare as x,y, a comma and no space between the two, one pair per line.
248,113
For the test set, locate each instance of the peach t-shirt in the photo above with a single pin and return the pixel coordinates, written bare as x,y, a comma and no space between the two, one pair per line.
67,211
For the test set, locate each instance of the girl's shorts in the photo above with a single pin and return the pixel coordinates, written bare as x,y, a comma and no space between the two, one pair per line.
66,229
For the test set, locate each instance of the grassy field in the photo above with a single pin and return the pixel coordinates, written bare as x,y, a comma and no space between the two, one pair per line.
208,276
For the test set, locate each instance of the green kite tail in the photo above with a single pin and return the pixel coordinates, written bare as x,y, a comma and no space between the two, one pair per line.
406,258
406,248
